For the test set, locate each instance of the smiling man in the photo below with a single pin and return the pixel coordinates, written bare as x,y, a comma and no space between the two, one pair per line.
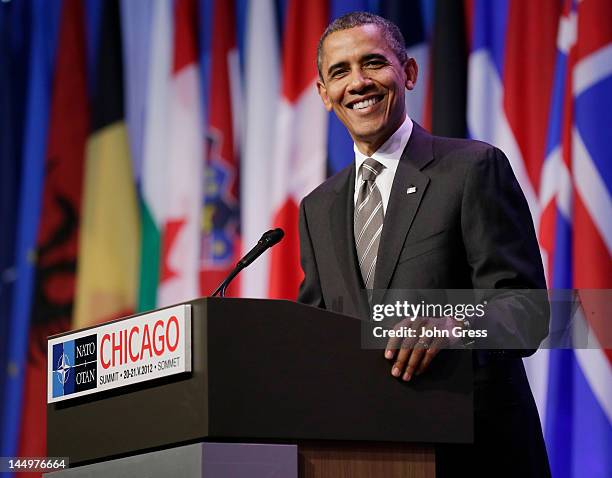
415,211
363,79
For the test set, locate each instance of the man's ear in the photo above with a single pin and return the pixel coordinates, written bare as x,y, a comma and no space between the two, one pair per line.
412,71
323,94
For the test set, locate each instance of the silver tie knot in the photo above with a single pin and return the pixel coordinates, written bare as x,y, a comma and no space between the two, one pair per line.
371,168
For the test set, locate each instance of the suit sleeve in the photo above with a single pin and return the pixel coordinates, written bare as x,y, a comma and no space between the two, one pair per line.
503,255
310,289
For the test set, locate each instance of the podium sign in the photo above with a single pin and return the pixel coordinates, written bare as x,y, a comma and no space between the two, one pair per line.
119,353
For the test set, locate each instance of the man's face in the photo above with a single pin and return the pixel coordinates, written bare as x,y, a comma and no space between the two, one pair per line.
364,83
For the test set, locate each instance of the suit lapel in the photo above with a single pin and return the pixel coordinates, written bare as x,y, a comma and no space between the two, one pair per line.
341,226
409,186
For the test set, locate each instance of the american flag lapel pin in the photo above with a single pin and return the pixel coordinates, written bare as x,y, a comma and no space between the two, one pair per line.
411,189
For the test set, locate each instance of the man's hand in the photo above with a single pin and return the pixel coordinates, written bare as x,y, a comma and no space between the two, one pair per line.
413,355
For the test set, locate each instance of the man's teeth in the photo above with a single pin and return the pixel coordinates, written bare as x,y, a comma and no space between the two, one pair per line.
364,104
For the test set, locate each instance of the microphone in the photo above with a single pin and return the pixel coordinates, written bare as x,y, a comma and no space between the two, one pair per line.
268,239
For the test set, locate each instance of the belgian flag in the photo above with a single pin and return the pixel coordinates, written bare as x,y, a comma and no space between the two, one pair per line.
110,234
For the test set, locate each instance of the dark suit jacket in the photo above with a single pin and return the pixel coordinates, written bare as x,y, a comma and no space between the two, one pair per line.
467,226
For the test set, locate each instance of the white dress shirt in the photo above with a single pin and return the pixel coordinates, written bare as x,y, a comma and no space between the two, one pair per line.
389,155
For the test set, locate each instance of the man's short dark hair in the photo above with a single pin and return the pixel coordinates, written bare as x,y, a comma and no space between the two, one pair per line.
390,31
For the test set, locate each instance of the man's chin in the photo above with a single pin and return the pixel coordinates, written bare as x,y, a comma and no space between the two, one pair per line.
368,135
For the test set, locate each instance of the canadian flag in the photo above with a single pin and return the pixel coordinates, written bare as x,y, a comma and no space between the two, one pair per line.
179,275
300,156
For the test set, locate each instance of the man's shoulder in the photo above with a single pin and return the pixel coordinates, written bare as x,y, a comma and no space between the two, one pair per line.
454,153
467,151
459,157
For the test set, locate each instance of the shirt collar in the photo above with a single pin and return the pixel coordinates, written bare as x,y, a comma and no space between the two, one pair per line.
391,151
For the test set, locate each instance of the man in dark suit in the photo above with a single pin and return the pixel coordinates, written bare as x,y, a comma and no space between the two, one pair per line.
416,211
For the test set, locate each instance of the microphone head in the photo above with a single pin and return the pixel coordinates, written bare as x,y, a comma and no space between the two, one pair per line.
273,236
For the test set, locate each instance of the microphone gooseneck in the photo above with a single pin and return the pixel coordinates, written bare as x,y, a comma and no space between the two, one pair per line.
268,239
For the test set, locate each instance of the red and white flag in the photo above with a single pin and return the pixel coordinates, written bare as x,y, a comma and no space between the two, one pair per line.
301,139
262,97
179,275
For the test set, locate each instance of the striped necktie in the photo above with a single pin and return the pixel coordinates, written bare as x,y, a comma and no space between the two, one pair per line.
369,216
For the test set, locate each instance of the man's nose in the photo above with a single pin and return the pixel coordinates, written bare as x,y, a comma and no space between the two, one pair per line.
359,81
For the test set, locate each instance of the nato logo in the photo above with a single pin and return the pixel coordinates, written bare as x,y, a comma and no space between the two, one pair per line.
75,366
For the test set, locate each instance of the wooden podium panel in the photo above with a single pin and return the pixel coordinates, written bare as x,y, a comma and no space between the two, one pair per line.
365,460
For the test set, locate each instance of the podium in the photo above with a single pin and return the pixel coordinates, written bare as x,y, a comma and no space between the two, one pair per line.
277,372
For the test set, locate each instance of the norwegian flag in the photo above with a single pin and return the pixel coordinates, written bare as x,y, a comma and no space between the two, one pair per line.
300,158
576,233
540,87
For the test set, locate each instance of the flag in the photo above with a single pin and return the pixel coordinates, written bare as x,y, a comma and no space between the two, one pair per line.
510,76
136,22
110,233
554,232
182,193
58,231
221,245
42,43
263,79
14,20
155,152
136,32
411,18
300,158
576,232
205,22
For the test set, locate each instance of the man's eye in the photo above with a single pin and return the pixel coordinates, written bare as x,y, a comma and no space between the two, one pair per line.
374,64
338,73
